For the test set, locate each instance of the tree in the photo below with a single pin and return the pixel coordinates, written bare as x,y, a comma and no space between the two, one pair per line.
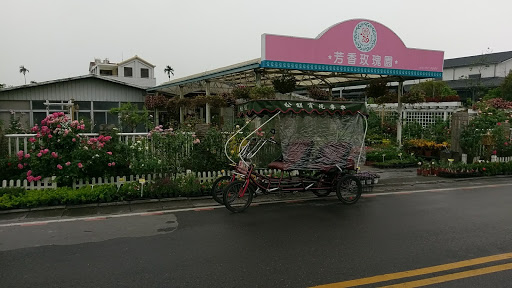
377,88
24,71
169,70
2,85
506,87
433,89
131,116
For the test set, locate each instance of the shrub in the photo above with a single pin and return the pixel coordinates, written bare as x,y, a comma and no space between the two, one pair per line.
163,188
241,92
318,94
261,92
284,84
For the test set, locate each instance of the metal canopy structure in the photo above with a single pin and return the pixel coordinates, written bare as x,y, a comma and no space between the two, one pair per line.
350,53
252,73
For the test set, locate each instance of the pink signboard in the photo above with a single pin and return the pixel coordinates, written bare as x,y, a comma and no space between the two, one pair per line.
354,46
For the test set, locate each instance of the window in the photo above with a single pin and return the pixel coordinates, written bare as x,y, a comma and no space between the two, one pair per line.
106,72
101,105
128,72
144,73
38,105
84,105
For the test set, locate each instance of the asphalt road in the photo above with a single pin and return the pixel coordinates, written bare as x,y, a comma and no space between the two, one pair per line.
299,244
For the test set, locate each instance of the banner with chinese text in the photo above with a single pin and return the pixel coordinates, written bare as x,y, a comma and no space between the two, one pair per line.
265,107
354,46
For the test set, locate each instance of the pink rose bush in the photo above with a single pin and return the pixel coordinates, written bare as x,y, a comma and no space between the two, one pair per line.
63,153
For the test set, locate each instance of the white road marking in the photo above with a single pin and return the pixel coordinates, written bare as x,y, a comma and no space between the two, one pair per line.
203,208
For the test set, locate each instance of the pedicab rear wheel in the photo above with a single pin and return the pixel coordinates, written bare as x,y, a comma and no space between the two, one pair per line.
349,189
218,188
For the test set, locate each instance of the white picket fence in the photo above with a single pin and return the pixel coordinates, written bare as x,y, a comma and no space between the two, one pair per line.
47,183
495,158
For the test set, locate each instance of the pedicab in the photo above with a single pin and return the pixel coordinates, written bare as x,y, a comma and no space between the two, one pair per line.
322,145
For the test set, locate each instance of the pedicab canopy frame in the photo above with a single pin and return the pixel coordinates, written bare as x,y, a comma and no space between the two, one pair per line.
314,135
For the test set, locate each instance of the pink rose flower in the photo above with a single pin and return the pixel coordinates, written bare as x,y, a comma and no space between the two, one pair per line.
37,178
27,156
50,136
113,163
68,163
109,164
46,151
80,165
32,140
20,166
74,139
39,154
109,153
59,166
29,172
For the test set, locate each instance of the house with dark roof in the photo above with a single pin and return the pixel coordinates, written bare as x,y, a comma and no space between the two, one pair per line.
472,76
92,97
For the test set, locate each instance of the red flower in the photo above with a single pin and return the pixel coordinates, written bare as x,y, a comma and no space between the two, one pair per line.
483,169
499,124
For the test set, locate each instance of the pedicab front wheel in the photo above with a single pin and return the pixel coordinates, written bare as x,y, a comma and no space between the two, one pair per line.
237,196
349,189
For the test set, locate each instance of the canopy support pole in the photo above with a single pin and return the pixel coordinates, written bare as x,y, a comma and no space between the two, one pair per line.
399,121
208,113
182,116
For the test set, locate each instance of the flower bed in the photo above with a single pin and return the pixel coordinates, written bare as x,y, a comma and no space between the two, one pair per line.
166,187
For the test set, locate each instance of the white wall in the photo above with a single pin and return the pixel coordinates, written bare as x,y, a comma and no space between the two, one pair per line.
504,68
136,65
458,72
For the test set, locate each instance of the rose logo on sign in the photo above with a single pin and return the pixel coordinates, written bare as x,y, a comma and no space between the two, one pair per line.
365,36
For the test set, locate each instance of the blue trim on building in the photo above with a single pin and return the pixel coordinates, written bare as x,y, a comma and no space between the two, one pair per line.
349,69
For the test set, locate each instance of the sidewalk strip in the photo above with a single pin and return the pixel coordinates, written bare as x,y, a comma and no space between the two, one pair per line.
294,201
96,219
440,189
34,224
417,272
203,209
152,213
451,277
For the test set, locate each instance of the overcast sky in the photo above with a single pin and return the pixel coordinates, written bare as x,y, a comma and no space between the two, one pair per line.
58,38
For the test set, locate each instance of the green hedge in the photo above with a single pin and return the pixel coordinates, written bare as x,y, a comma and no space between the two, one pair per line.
186,186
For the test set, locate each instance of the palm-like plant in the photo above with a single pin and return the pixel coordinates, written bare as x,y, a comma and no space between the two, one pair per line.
24,71
169,70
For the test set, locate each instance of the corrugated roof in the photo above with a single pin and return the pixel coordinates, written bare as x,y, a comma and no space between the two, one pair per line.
490,82
493,58
71,79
